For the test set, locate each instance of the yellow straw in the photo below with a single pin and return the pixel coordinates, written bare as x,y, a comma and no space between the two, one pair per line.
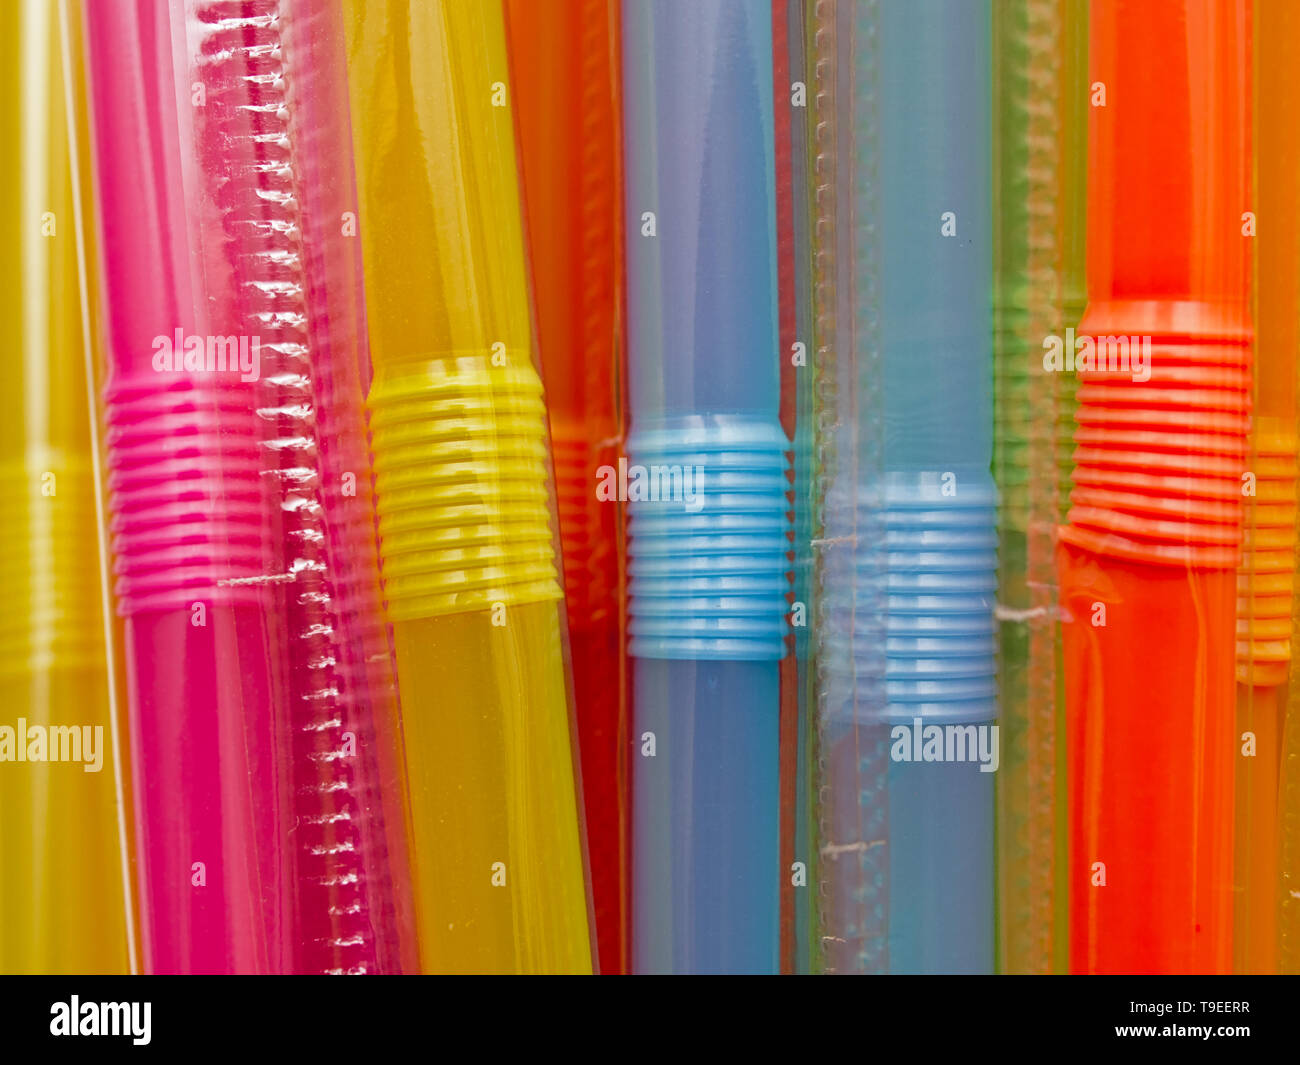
464,493
61,896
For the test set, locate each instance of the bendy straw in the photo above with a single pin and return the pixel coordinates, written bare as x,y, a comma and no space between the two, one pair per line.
268,806
464,495
1147,559
1039,137
908,710
62,883
708,569
562,57
1265,579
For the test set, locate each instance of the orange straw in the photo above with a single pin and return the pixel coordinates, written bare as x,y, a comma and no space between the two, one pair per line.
1265,579
1147,558
561,59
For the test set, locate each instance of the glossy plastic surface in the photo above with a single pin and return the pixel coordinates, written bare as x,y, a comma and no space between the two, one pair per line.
464,493
269,804
1154,530
562,57
908,572
1040,152
708,567
1266,578
62,883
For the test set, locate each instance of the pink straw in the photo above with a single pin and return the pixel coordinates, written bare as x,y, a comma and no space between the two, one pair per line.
263,717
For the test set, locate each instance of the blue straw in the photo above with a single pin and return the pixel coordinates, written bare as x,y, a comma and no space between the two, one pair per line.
909,858
708,567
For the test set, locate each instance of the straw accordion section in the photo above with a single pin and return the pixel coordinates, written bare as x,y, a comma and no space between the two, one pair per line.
1266,577
460,457
47,566
709,576
1159,463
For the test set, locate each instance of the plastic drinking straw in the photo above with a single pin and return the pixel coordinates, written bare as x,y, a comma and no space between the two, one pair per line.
1265,579
1147,560
908,845
1074,297
200,694
274,154
795,800
1036,131
851,887
61,871
1267,914
464,494
562,60
264,752
794,279
1072,143
708,569
849,664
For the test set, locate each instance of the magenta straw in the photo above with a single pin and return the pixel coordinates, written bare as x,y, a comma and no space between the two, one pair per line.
262,712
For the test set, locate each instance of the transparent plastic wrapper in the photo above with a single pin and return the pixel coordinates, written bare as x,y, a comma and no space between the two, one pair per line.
1266,601
63,880
1039,138
268,816
709,533
562,57
906,567
1075,106
471,561
1149,554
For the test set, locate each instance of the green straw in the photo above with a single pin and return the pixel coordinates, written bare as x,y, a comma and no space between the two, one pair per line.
1040,128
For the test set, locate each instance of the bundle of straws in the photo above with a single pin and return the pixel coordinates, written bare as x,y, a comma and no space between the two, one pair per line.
656,486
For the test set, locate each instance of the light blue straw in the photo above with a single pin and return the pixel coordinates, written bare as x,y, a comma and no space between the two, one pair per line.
708,558
909,849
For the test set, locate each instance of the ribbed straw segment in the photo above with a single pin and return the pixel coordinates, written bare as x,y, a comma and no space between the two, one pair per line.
1159,463
1067,389
185,495
1266,578
461,486
49,566
709,567
1016,364
586,535
575,480
926,566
